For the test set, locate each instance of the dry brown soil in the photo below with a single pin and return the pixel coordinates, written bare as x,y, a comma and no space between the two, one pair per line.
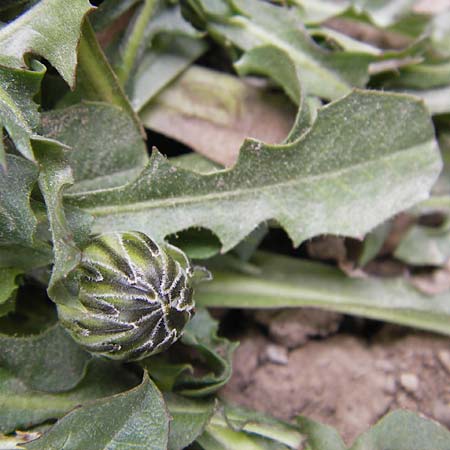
287,366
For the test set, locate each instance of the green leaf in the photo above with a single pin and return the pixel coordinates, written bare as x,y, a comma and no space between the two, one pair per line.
399,430
164,372
373,242
317,11
359,164
161,64
281,282
196,243
96,80
17,221
8,288
263,30
108,152
384,12
135,419
50,361
18,112
236,428
23,407
320,436
189,418
54,177
25,258
424,246
275,63
216,353
156,47
421,76
404,430
132,45
46,30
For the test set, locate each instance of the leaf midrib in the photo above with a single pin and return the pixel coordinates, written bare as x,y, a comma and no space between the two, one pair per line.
117,208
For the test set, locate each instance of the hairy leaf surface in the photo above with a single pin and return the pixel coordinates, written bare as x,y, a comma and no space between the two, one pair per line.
23,407
189,418
358,164
135,419
50,361
17,221
41,31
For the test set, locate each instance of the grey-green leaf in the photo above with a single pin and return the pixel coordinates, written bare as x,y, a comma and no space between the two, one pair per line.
160,65
189,418
404,430
359,164
201,334
46,30
23,407
239,429
256,24
17,221
54,177
425,246
18,112
279,282
135,419
50,361
107,148
320,436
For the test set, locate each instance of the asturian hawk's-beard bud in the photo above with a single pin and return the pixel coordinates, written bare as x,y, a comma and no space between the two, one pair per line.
134,297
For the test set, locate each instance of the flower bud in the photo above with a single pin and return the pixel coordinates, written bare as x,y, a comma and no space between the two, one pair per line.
134,296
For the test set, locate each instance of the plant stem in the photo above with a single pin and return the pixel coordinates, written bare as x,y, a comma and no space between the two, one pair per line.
134,41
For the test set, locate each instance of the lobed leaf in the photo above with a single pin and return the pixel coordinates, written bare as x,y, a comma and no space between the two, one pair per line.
41,30
18,112
359,164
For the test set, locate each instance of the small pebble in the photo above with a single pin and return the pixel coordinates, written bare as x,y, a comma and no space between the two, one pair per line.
441,411
409,382
390,385
277,354
444,359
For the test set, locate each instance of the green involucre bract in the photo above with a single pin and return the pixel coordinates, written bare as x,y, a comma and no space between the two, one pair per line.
134,299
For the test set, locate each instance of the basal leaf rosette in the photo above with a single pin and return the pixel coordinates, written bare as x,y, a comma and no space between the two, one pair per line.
134,296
